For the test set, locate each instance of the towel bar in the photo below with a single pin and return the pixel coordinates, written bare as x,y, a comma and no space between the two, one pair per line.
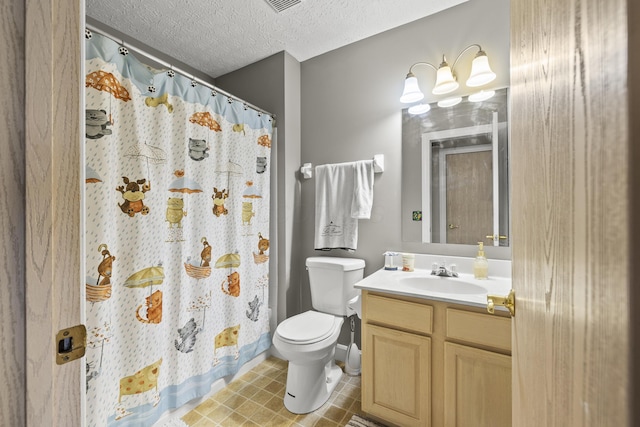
306,170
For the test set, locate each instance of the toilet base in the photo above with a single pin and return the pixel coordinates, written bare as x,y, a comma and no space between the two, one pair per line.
310,384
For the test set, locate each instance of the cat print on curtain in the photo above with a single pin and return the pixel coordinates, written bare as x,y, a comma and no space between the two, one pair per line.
177,223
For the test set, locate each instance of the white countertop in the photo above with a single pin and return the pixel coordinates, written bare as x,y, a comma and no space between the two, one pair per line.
448,289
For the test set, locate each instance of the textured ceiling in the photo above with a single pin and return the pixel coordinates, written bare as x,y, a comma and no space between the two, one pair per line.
219,36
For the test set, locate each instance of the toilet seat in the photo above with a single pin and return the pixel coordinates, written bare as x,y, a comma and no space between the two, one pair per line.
307,328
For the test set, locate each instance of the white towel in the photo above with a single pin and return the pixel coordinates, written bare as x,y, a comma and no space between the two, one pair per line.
344,193
362,189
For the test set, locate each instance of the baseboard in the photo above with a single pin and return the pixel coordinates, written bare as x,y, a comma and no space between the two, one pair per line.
341,353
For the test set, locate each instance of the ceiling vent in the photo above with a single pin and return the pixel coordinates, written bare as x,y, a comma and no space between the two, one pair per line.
280,5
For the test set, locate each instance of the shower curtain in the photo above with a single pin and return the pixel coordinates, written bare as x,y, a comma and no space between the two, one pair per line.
177,220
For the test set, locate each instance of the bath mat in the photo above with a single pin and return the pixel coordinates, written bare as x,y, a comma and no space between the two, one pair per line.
358,421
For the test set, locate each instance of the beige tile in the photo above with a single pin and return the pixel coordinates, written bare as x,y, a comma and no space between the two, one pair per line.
205,422
275,404
248,408
262,397
222,395
346,418
284,412
308,420
235,401
249,376
351,391
233,419
250,423
207,406
324,422
356,407
192,417
235,385
341,400
281,378
262,416
220,413
248,390
278,421
261,381
334,413
274,387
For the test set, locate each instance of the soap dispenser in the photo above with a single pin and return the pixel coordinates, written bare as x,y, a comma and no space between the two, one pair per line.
480,264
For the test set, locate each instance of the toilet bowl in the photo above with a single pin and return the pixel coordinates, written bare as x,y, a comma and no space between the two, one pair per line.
312,374
308,340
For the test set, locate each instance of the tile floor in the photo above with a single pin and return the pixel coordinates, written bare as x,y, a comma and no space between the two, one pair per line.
255,399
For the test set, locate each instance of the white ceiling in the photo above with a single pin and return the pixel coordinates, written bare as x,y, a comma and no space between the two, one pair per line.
219,36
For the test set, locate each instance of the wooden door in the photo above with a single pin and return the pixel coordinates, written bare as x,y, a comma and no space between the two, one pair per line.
53,118
397,376
469,203
570,203
486,400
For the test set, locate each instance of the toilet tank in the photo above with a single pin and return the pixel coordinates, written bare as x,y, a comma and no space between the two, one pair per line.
331,280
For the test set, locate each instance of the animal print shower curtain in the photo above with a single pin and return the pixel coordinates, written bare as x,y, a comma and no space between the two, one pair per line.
177,222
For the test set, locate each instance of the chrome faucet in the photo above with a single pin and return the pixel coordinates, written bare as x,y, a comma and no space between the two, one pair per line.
441,270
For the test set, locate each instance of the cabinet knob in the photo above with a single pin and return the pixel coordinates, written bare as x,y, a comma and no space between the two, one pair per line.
508,301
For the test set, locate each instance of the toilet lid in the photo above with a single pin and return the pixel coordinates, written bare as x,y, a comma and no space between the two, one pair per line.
307,328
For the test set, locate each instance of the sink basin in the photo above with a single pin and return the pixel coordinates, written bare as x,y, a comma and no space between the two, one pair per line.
442,285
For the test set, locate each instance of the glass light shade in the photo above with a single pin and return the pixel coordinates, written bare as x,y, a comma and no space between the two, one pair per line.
445,82
412,92
481,73
419,109
450,102
483,95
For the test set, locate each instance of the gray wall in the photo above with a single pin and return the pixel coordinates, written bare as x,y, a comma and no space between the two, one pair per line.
350,109
274,84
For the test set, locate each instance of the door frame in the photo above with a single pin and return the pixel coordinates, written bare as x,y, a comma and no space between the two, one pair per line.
54,34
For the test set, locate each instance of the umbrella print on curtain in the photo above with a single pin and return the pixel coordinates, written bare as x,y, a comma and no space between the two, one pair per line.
147,278
133,192
229,262
153,155
230,169
199,148
200,270
107,82
201,303
98,336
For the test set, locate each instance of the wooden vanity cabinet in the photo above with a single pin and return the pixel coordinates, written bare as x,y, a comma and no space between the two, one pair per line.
429,363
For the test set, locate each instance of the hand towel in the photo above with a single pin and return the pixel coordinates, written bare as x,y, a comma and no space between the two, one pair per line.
334,225
362,189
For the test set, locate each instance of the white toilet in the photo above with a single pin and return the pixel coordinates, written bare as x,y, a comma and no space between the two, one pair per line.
308,340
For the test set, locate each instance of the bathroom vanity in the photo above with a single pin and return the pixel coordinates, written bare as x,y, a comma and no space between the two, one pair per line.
432,355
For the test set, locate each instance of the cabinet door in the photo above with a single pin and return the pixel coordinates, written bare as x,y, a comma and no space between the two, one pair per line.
477,387
396,376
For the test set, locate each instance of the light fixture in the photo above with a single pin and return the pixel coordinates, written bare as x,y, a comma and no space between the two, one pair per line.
446,82
419,109
450,102
412,92
481,73
483,95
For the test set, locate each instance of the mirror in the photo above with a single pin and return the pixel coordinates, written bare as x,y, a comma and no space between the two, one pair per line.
455,174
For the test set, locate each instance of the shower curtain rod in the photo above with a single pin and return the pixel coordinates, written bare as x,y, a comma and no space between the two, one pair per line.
177,70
